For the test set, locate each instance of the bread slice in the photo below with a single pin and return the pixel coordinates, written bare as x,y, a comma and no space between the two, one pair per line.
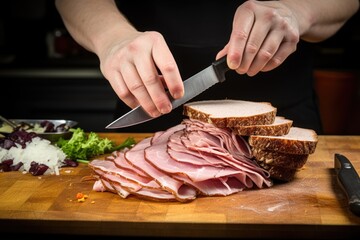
281,126
297,141
231,113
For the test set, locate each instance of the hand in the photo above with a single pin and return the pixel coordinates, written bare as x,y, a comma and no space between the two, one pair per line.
264,34
131,68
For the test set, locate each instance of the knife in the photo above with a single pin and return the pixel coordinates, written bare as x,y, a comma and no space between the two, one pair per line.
193,86
349,180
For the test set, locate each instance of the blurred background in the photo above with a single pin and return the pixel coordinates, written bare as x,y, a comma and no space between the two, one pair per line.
44,74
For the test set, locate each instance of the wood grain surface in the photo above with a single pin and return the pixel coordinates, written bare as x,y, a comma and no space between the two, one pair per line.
311,206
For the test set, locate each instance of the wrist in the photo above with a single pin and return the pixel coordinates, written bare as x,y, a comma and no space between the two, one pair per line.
301,13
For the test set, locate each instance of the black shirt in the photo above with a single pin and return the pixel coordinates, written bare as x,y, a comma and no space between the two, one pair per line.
195,31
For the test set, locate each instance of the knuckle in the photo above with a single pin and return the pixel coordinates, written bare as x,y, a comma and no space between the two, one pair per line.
137,87
294,38
284,24
276,61
160,100
265,55
271,15
123,93
149,107
249,5
155,36
132,103
240,34
168,68
290,47
150,79
252,48
133,47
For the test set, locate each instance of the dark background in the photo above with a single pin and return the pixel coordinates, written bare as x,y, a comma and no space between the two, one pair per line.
44,74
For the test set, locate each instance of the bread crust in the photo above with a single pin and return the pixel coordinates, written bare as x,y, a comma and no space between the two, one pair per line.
222,122
265,130
273,158
287,143
283,145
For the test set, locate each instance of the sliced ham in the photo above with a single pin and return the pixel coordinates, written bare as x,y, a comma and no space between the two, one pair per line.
233,143
158,156
222,186
181,192
188,160
124,183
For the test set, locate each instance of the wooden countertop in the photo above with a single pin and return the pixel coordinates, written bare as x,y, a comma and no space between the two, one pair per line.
311,206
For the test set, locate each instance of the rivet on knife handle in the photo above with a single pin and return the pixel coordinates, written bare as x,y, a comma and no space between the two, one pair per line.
349,180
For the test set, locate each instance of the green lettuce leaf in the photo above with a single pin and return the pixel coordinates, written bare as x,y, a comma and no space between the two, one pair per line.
82,146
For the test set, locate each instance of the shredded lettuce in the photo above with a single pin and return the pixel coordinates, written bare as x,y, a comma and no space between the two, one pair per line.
83,146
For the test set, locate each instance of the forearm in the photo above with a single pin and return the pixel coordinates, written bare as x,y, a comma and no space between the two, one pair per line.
320,19
94,24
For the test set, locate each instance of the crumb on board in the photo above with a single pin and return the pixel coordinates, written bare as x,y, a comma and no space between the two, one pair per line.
81,197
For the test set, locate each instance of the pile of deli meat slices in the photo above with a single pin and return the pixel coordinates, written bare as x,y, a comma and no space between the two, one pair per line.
188,160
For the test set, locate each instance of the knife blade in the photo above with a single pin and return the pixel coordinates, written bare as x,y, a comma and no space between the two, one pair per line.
349,180
193,86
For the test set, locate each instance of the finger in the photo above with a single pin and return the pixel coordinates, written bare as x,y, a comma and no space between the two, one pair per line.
122,91
166,63
152,82
286,48
258,34
242,24
136,86
222,52
267,51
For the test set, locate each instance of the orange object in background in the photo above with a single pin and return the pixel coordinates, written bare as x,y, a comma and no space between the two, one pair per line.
339,101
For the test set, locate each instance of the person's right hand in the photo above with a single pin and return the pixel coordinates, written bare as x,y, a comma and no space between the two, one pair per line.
131,66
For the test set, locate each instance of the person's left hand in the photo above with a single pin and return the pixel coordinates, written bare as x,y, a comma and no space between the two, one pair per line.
264,34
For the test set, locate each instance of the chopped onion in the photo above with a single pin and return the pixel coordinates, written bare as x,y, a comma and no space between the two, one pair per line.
38,150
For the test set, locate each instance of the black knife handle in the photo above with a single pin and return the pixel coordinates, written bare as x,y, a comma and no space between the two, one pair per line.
349,181
221,67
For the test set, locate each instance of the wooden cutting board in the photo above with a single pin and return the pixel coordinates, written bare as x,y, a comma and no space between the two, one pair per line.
313,203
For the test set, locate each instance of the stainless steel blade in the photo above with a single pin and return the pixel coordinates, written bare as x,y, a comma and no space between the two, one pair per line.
193,86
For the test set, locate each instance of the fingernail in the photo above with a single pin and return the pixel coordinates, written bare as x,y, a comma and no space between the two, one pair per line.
156,114
232,65
178,95
166,109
